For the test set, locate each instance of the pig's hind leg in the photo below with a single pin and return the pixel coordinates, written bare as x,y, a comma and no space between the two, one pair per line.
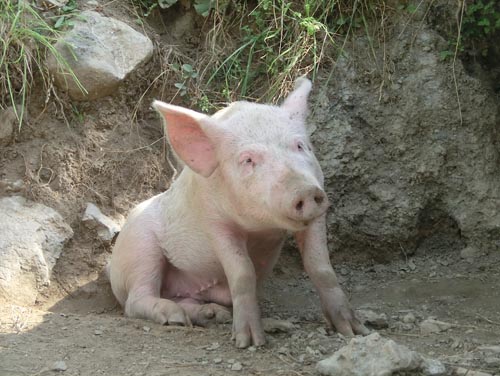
137,270
138,273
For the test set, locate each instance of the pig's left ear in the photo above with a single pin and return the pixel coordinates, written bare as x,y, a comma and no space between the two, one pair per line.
296,102
187,136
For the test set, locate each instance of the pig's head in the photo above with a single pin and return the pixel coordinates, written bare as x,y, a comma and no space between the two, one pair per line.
259,155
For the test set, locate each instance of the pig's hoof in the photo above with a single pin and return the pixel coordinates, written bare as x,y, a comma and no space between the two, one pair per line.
178,318
244,340
211,314
166,312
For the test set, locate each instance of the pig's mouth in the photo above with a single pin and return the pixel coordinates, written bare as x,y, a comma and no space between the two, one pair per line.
297,224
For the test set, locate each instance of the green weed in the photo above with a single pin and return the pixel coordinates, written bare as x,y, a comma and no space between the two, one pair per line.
277,41
202,7
479,22
25,41
256,49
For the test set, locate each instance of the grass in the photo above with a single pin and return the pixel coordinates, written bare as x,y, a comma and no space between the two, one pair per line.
256,50
26,40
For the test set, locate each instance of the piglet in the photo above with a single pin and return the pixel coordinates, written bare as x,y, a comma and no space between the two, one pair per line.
186,256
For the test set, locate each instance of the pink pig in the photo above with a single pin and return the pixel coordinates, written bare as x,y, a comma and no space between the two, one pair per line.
185,256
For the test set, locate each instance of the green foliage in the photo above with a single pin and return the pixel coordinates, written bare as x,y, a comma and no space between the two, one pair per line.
202,7
187,73
256,49
482,18
25,41
280,40
480,23
67,12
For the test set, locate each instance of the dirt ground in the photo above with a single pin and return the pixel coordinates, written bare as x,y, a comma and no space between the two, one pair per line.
87,331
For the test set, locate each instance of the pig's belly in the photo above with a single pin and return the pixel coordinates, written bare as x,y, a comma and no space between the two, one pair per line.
212,288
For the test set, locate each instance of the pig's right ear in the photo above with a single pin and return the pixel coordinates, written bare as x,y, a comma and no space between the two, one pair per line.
296,102
186,136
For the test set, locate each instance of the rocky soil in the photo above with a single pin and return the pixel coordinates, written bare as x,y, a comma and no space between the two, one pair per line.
86,334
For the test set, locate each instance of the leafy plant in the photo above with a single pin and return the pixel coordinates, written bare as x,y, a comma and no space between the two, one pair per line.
480,21
280,40
257,49
67,12
187,74
25,41
482,18
202,7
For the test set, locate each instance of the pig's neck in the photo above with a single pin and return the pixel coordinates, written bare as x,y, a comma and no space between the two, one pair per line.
208,198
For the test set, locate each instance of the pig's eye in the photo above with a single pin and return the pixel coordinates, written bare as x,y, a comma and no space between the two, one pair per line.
301,146
247,160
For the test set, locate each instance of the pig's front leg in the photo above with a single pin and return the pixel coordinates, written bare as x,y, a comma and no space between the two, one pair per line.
231,250
335,305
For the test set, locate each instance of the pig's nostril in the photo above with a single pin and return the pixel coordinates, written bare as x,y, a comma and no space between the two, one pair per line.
319,199
299,205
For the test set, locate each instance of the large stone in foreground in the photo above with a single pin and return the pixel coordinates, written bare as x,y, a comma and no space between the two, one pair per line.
101,51
32,237
376,356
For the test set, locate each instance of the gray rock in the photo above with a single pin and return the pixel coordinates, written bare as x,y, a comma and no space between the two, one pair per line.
409,318
374,355
433,367
101,51
237,366
373,319
94,219
32,237
430,326
8,121
59,366
470,252
426,175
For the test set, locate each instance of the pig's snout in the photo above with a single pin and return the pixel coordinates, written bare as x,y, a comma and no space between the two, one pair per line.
309,204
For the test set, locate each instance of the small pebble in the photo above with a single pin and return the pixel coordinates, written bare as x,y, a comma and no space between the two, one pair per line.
213,346
412,265
283,350
237,366
147,329
409,318
310,351
322,331
373,319
407,326
469,252
98,332
430,326
252,349
217,360
59,366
